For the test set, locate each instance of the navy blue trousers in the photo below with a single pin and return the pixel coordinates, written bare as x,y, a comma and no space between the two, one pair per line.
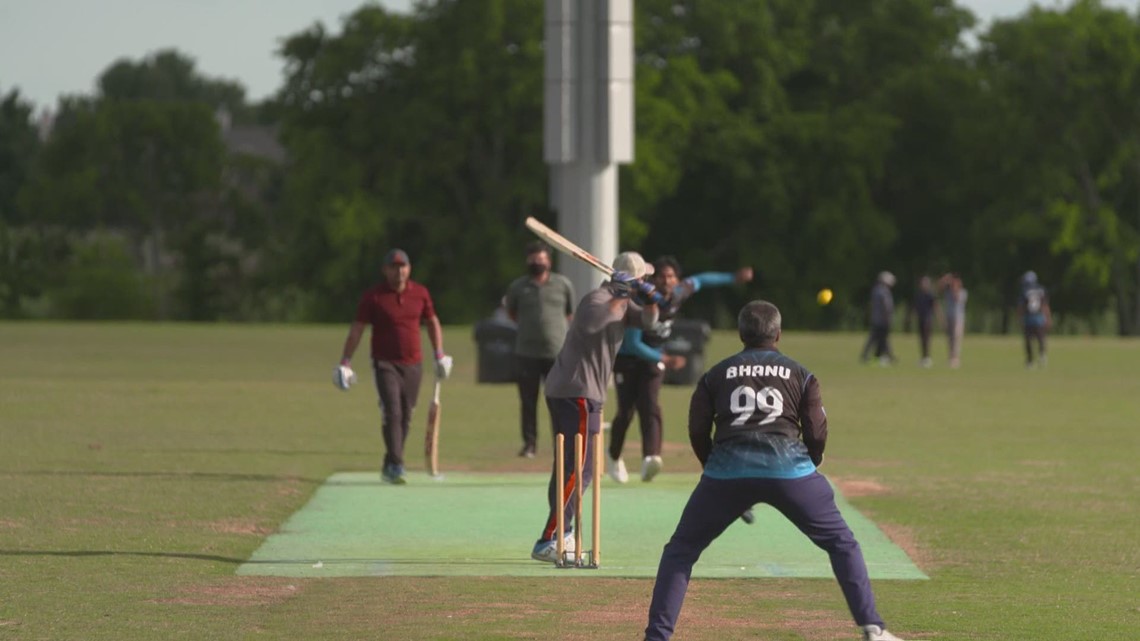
808,502
570,416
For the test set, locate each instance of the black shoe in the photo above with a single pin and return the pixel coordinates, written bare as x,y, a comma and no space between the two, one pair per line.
393,474
527,451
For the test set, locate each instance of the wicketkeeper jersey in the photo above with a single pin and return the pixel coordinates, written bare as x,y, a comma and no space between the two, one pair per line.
768,417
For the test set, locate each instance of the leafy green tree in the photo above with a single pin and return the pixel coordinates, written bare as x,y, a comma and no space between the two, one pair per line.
781,122
169,76
144,167
1070,81
100,281
20,250
19,144
428,123
145,158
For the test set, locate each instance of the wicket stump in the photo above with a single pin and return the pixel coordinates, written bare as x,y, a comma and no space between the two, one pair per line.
575,493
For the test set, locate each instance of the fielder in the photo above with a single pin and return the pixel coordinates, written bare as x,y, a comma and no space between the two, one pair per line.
639,370
1036,317
770,433
576,384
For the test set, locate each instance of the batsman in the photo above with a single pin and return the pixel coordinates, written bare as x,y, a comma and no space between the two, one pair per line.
576,384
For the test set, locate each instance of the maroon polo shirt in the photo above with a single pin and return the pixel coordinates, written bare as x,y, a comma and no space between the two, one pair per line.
395,318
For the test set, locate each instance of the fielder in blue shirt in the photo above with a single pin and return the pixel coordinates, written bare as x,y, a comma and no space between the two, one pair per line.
639,369
1036,317
758,427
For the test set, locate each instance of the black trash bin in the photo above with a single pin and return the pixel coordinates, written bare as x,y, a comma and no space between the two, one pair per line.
495,337
687,339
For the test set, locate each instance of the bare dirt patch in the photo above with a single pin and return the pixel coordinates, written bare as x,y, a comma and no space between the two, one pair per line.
901,536
247,526
237,592
816,624
10,524
905,538
859,487
706,611
290,488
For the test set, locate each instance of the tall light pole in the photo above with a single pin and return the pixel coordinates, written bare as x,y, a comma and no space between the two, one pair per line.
588,122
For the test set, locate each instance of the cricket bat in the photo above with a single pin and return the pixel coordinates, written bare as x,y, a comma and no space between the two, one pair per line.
431,437
564,245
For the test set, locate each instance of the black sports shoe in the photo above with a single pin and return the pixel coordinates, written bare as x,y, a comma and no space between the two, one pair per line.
393,474
527,451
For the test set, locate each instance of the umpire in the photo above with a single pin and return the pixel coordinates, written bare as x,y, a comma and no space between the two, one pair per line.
770,432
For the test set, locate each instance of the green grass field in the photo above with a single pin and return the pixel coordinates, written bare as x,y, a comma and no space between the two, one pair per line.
143,464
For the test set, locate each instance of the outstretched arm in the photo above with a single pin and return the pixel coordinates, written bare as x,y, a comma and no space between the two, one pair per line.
693,284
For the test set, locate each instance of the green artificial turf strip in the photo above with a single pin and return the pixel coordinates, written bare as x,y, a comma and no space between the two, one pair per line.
484,525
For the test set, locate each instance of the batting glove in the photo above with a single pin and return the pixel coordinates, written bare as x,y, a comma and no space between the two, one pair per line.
647,294
343,377
623,284
443,365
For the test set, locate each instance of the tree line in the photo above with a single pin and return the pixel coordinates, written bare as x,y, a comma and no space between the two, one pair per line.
820,141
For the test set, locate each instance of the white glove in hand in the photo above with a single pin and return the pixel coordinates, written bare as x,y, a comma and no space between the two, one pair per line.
443,367
343,377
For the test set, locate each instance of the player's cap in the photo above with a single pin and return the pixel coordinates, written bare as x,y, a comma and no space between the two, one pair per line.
633,264
1029,278
397,257
887,279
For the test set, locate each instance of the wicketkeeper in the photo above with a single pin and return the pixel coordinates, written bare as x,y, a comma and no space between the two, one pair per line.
770,433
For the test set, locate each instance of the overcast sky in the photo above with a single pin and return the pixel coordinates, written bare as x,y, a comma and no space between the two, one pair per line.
49,48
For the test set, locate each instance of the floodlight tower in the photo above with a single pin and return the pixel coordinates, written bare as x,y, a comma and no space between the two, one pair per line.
588,122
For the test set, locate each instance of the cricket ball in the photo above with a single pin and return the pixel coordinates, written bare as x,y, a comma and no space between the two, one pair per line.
824,296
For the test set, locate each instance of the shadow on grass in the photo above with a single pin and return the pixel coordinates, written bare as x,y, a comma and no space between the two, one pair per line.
165,555
245,451
235,561
206,476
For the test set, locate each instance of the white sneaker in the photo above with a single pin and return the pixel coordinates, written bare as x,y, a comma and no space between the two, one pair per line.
547,551
875,633
616,469
650,467
926,363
